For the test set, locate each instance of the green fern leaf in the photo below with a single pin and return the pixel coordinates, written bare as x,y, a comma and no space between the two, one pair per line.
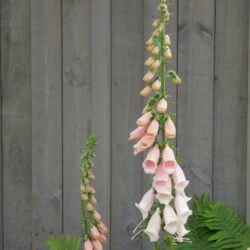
64,243
229,231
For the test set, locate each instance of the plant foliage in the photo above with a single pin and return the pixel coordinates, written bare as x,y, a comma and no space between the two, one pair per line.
64,243
214,226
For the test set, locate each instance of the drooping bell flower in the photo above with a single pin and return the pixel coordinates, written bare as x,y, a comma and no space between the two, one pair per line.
94,232
144,120
167,40
88,245
156,85
164,198
155,51
170,220
162,106
103,238
168,157
138,133
149,41
154,226
179,179
144,143
162,184
183,212
148,77
170,130
156,64
146,91
168,54
97,245
146,203
181,232
151,161
97,216
149,61
153,128
176,80
102,228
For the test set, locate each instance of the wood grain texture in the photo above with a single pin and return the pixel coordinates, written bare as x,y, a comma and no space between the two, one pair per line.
46,120
248,135
16,124
127,73
1,152
230,140
76,105
195,95
101,101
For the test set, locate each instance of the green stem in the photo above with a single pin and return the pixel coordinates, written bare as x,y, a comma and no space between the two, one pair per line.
163,73
85,218
156,245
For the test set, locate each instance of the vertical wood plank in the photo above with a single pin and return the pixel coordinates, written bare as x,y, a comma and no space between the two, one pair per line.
101,101
127,73
1,149
46,120
16,123
248,134
230,140
76,104
195,95
150,14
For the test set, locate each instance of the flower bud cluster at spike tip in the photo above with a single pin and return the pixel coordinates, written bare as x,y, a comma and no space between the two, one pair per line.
164,206
94,229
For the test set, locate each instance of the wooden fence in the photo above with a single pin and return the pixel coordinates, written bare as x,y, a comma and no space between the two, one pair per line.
72,67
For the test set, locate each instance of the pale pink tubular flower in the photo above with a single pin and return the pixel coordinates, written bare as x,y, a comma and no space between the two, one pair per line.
144,143
168,157
138,133
162,106
154,226
170,130
94,232
103,238
153,128
170,220
181,232
163,184
88,245
97,245
144,120
179,179
156,85
145,109
151,161
146,203
164,198
102,228
182,209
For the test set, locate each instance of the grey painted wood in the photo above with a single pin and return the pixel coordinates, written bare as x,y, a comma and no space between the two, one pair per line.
76,108
127,73
230,124
195,95
46,120
16,125
248,138
1,155
101,102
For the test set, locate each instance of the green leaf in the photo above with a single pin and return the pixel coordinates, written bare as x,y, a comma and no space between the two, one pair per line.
64,243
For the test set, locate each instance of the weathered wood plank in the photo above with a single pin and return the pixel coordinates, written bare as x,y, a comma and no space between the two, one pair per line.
127,73
248,136
195,95
230,140
101,101
16,121
150,14
76,104
46,120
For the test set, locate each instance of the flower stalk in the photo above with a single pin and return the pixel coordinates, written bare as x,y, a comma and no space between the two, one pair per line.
163,207
93,228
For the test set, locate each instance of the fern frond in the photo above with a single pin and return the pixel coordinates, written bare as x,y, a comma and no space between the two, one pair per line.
230,232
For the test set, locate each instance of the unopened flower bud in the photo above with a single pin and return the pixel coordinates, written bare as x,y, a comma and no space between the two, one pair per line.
91,176
155,50
156,85
146,91
93,200
176,80
103,238
161,27
88,245
168,54
89,207
149,61
82,188
97,216
167,40
170,130
86,181
97,245
102,228
156,64
148,77
162,106
156,32
156,23
145,109
150,48
84,197
94,232
90,190
149,41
